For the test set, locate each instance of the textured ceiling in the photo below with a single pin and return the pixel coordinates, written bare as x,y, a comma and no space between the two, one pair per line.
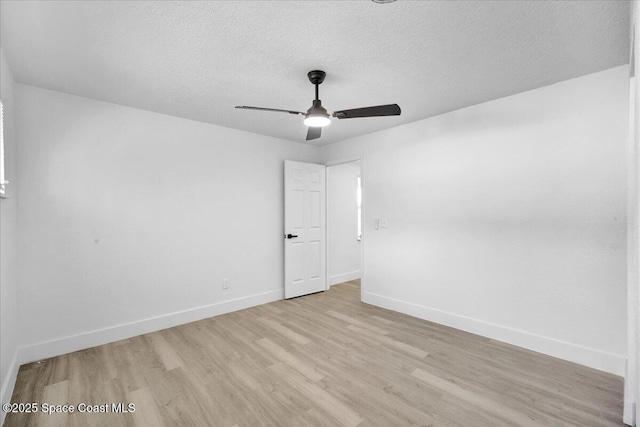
198,60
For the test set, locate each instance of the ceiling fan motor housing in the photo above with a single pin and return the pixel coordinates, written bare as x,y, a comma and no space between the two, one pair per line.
317,109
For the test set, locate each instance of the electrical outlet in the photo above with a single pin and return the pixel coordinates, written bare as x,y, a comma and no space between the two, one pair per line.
383,223
225,283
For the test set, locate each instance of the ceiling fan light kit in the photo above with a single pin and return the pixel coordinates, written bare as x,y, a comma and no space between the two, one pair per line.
317,116
317,121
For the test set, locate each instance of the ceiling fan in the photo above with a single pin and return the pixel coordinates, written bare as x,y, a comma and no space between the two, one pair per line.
317,116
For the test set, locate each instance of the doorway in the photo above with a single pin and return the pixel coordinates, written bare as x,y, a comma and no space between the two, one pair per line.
344,222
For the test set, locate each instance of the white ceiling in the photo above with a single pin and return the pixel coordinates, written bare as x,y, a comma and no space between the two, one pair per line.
198,60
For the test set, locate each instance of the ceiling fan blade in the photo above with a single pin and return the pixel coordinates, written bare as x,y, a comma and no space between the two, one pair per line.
244,107
377,111
314,133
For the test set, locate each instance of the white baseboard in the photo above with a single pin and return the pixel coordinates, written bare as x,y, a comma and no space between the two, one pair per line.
93,338
344,277
629,413
9,383
586,356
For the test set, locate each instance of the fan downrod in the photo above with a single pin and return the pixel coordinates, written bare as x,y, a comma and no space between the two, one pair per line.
316,77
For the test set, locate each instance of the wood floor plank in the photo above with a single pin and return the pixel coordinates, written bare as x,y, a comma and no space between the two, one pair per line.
55,394
147,411
384,339
478,400
322,360
327,402
292,361
285,331
168,356
356,322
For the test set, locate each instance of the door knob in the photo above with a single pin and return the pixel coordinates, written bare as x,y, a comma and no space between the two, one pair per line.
291,236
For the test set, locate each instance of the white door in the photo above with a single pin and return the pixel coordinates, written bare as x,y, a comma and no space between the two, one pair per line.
304,228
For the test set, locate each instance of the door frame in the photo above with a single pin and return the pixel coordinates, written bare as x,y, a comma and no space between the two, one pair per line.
363,210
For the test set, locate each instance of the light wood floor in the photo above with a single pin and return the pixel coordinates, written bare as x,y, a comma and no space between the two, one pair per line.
321,360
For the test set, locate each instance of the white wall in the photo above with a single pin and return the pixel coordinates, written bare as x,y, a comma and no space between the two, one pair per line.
343,255
8,243
507,219
632,382
131,219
